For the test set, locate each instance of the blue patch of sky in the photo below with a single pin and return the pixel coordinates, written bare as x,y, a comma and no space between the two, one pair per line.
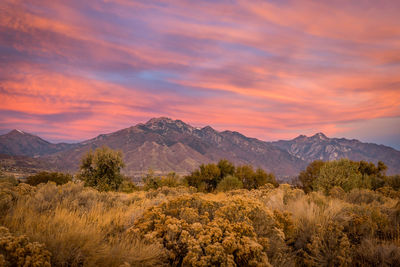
148,80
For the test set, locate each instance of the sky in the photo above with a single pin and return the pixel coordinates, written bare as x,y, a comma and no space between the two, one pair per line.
70,70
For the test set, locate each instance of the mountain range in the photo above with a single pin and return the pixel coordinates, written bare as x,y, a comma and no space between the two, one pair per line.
165,145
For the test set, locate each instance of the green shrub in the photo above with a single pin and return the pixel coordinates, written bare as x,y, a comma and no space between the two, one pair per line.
229,183
102,169
309,175
207,177
254,179
343,173
170,180
127,186
44,177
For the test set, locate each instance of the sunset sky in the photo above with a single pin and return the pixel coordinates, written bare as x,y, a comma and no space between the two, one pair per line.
70,70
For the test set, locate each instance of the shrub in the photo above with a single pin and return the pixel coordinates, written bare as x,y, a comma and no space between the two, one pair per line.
102,168
329,247
151,181
343,173
44,177
226,168
18,251
206,178
127,186
8,179
229,183
253,179
170,180
200,232
359,196
365,222
393,182
308,176
372,252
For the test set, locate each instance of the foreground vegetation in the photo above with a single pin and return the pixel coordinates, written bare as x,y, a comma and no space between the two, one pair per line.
221,214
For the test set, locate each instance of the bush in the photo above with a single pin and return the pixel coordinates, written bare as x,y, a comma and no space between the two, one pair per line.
170,180
45,177
102,169
308,176
127,186
329,247
393,182
229,183
8,179
200,232
18,251
154,182
372,252
207,177
343,173
253,179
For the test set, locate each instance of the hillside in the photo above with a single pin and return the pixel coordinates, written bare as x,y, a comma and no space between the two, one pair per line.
165,145
323,148
19,143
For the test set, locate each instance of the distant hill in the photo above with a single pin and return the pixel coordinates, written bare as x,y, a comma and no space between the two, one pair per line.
323,148
165,145
19,143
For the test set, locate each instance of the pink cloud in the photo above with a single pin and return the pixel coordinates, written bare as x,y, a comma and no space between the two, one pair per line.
267,69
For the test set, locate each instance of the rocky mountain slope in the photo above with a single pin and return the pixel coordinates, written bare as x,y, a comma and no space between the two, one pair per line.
323,148
166,145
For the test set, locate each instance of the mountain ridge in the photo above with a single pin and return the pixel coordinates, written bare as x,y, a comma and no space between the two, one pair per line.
164,144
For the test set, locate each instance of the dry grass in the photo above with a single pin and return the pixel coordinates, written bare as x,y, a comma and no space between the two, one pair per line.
80,226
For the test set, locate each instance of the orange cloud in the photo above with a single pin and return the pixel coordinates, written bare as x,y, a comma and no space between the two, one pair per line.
269,69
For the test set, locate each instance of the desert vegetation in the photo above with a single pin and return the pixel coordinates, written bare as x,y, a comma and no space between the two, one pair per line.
341,213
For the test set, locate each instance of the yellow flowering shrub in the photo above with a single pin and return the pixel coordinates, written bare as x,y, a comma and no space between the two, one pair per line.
18,251
329,247
200,232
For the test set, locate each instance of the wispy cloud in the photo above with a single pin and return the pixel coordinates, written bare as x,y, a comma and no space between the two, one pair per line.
270,69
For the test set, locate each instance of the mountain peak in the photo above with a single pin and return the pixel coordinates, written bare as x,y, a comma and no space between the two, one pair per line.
320,136
16,132
164,124
160,120
208,128
302,136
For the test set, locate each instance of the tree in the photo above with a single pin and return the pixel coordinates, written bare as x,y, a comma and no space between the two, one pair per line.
262,178
226,168
245,174
373,177
253,179
102,169
211,175
311,173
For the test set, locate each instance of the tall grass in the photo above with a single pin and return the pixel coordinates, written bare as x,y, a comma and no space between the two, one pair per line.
282,226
